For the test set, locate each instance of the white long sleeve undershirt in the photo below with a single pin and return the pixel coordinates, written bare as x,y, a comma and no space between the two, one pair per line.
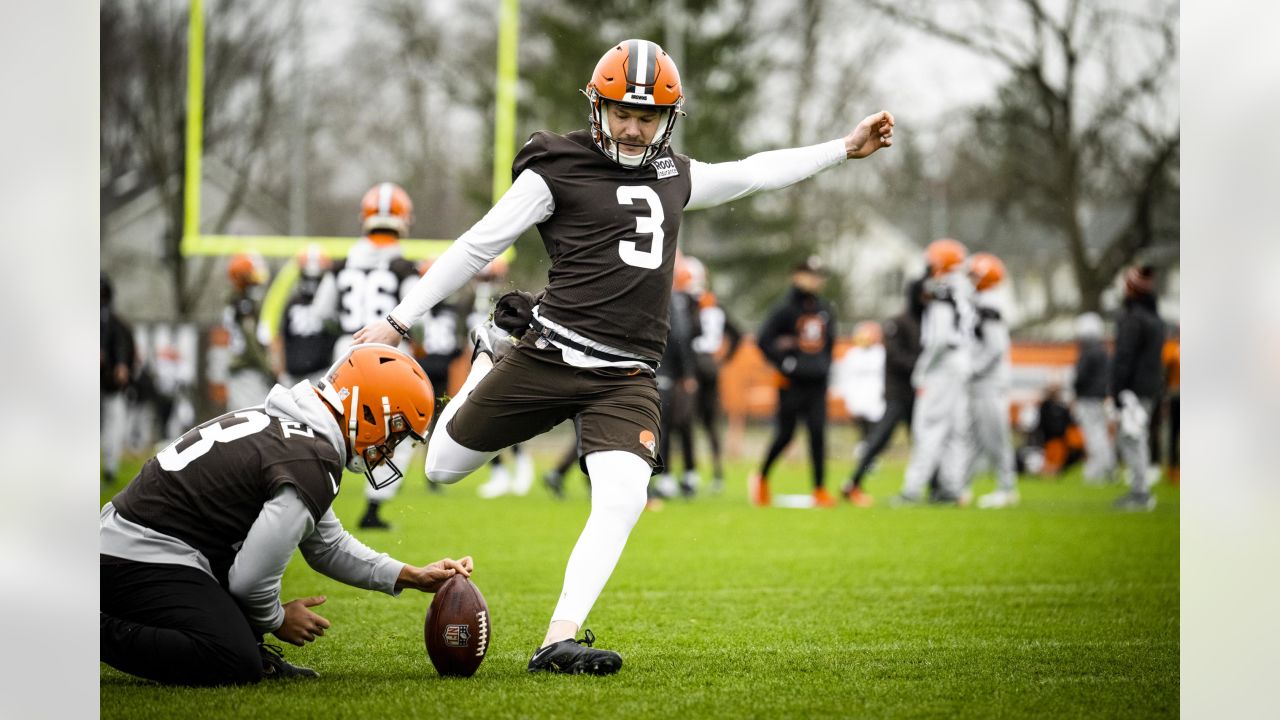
529,201
713,184
285,524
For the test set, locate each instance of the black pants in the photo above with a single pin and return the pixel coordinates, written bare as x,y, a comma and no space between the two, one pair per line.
173,624
896,410
707,409
810,400
677,422
1175,411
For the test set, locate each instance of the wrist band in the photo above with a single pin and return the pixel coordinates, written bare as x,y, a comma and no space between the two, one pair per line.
395,324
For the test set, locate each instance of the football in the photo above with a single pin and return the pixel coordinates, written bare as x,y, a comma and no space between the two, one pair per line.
457,629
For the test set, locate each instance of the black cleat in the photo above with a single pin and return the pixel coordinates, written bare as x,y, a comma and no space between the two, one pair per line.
275,667
575,657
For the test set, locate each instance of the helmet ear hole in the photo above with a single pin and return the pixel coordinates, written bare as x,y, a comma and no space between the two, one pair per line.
368,415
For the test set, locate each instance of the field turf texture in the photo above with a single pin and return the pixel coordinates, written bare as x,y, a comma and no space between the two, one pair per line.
1058,608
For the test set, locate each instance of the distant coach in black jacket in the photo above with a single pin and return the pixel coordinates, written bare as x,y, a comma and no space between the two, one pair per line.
1137,375
798,338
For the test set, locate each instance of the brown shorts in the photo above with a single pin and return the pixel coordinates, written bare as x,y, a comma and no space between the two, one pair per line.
532,390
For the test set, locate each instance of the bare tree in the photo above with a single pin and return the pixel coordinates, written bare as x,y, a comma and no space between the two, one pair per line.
1087,118
143,109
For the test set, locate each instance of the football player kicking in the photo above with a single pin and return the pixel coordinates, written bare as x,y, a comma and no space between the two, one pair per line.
608,202
193,550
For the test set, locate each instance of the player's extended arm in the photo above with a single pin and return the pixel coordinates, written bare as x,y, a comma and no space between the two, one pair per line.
332,551
719,183
526,203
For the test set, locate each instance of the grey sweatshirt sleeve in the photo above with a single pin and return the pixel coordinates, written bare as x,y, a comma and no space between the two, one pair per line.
254,578
334,552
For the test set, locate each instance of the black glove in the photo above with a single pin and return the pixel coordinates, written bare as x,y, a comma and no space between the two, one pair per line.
514,312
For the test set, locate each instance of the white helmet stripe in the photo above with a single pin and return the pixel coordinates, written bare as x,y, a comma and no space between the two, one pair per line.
384,199
642,64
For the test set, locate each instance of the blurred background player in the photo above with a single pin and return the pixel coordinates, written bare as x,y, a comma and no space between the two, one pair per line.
116,361
677,386
798,338
303,349
1053,443
946,329
1137,377
368,283
987,435
901,349
1092,374
859,381
716,342
515,477
250,372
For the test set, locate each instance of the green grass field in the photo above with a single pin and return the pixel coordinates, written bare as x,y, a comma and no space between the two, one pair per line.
1058,608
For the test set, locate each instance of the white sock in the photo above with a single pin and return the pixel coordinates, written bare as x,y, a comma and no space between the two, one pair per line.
618,482
447,461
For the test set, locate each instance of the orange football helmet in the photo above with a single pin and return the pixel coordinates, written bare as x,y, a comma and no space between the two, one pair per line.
246,270
944,255
636,73
383,399
386,207
985,270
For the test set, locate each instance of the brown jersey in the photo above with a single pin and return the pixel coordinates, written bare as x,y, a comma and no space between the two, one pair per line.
209,485
611,239
367,294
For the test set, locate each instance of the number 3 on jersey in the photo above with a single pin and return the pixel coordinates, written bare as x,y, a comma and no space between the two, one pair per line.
242,424
650,224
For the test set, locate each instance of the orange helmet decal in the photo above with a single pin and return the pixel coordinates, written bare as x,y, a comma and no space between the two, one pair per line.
384,399
986,270
386,207
637,73
944,255
246,270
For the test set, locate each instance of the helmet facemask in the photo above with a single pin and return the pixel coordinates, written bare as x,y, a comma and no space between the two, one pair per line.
376,429
603,134
376,460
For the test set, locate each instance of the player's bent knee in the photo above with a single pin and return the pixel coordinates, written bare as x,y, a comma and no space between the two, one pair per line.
440,476
448,462
623,480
